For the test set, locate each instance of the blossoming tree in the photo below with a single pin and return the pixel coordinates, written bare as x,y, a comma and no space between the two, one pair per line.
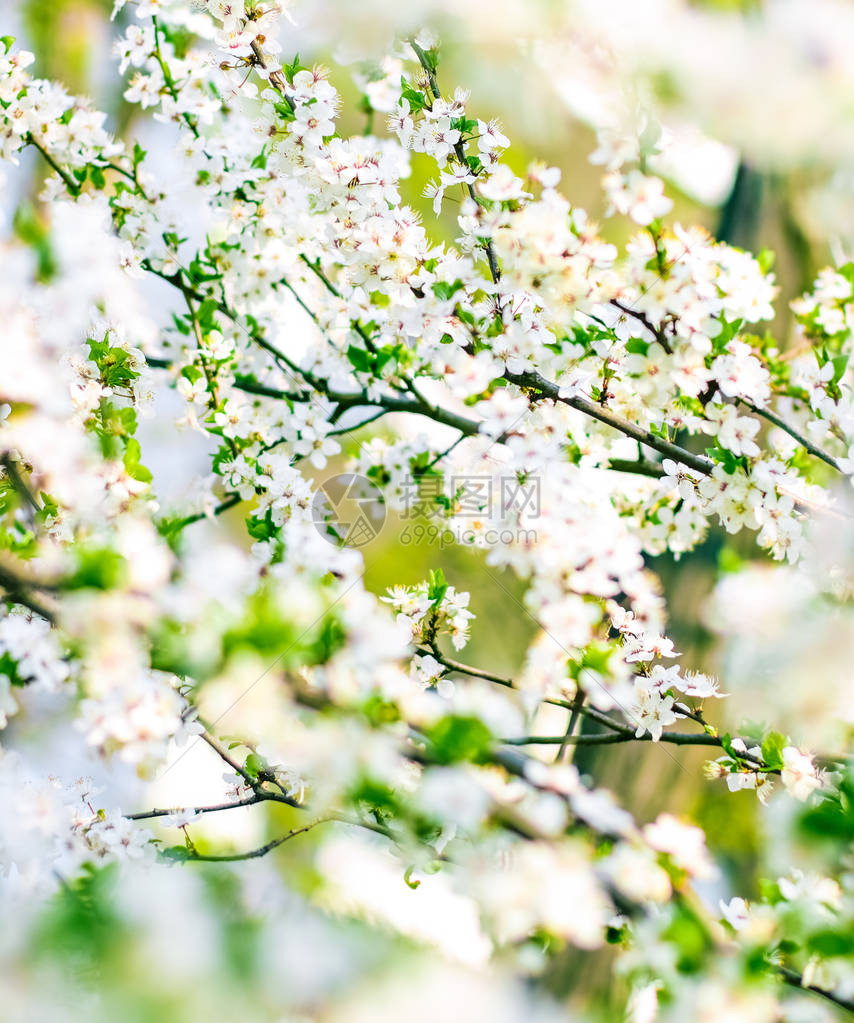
456,847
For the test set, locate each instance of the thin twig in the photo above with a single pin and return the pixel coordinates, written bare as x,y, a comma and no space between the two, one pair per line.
460,154
795,979
17,482
570,728
547,389
276,78
17,592
69,182
772,417
197,857
146,815
608,738
657,332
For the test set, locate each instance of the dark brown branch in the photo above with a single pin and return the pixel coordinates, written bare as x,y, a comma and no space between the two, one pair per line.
605,739
546,389
18,591
276,78
772,417
147,815
17,482
795,979
657,332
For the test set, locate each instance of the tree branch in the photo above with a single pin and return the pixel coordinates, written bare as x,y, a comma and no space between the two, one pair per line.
570,728
606,739
18,483
146,815
197,857
772,417
460,154
547,389
657,332
795,979
68,181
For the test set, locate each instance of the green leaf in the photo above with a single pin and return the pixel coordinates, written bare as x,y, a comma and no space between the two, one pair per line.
766,259
597,657
847,271
48,509
255,764
292,68
829,943
430,58
264,528
172,651
832,820
132,463
725,458
466,125
407,876
729,330
9,668
175,854
770,891
457,738
180,324
97,569
330,638
380,299
360,360
437,586
726,743
840,364
689,938
729,561
637,347
380,711
444,289
772,750
416,100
